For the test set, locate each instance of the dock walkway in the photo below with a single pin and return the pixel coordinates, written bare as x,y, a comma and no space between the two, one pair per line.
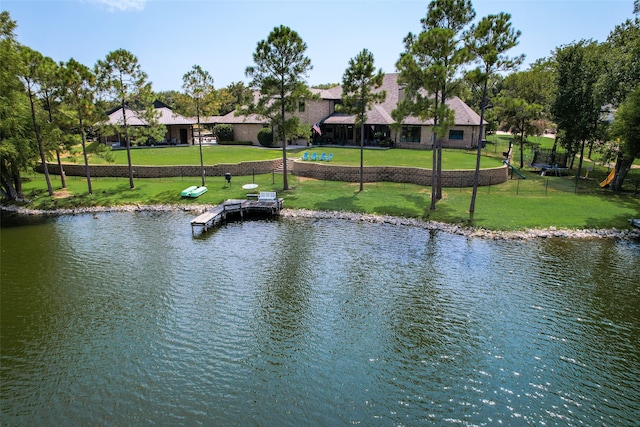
234,206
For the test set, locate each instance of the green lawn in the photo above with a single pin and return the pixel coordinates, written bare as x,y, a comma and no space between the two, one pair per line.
169,156
537,202
216,154
451,159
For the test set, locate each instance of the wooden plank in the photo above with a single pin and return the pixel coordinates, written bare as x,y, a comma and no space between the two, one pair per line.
207,217
218,213
232,205
203,220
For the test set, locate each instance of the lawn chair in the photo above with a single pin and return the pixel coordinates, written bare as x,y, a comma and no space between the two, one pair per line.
323,158
305,156
313,156
329,157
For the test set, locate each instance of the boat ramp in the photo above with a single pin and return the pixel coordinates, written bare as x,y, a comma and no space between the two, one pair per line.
265,203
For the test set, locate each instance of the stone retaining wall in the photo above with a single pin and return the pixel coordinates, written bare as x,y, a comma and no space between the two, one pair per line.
235,169
317,170
450,178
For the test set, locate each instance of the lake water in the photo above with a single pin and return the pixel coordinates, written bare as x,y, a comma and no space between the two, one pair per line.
128,319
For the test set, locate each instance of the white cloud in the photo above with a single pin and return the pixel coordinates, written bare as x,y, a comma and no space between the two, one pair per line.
121,5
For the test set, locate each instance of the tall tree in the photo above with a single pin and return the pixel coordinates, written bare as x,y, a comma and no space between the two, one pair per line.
488,41
471,92
280,66
621,58
170,98
50,91
534,86
518,117
234,96
575,108
16,153
30,74
197,84
359,81
80,86
429,69
120,78
626,127
620,80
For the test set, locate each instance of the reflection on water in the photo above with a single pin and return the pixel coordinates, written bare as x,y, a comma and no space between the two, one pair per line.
129,319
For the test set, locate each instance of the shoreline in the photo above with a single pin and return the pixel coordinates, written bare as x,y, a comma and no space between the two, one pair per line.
471,232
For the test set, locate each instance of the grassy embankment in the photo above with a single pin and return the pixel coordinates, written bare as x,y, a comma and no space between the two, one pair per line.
536,202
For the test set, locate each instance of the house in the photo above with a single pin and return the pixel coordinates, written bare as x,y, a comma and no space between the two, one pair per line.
179,128
339,128
245,128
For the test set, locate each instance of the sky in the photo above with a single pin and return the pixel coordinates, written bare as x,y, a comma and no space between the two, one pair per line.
170,36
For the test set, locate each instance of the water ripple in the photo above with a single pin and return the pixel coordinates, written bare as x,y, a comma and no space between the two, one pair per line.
130,319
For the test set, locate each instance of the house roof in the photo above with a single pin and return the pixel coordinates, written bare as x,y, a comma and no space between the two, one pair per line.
166,116
169,117
329,94
380,114
231,118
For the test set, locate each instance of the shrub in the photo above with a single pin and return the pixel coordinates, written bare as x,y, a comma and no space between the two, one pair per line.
265,137
101,150
92,147
223,132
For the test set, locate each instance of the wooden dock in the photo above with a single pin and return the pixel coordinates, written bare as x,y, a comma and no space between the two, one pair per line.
217,214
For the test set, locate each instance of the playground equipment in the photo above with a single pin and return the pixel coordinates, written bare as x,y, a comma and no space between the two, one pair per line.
548,159
516,171
609,178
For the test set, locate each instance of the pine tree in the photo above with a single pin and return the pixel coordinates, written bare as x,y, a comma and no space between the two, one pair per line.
429,68
280,66
197,84
120,78
488,41
358,96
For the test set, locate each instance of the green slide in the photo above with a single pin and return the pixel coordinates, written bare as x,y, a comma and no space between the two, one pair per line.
514,169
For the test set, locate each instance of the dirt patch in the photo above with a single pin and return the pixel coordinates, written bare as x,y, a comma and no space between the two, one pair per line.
303,179
61,194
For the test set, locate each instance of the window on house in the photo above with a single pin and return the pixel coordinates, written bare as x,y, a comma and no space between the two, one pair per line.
410,134
456,134
301,107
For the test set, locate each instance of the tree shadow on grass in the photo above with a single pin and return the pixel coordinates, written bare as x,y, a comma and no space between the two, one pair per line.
339,203
449,215
414,206
618,221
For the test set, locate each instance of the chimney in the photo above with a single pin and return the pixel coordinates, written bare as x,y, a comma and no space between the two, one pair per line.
401,92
